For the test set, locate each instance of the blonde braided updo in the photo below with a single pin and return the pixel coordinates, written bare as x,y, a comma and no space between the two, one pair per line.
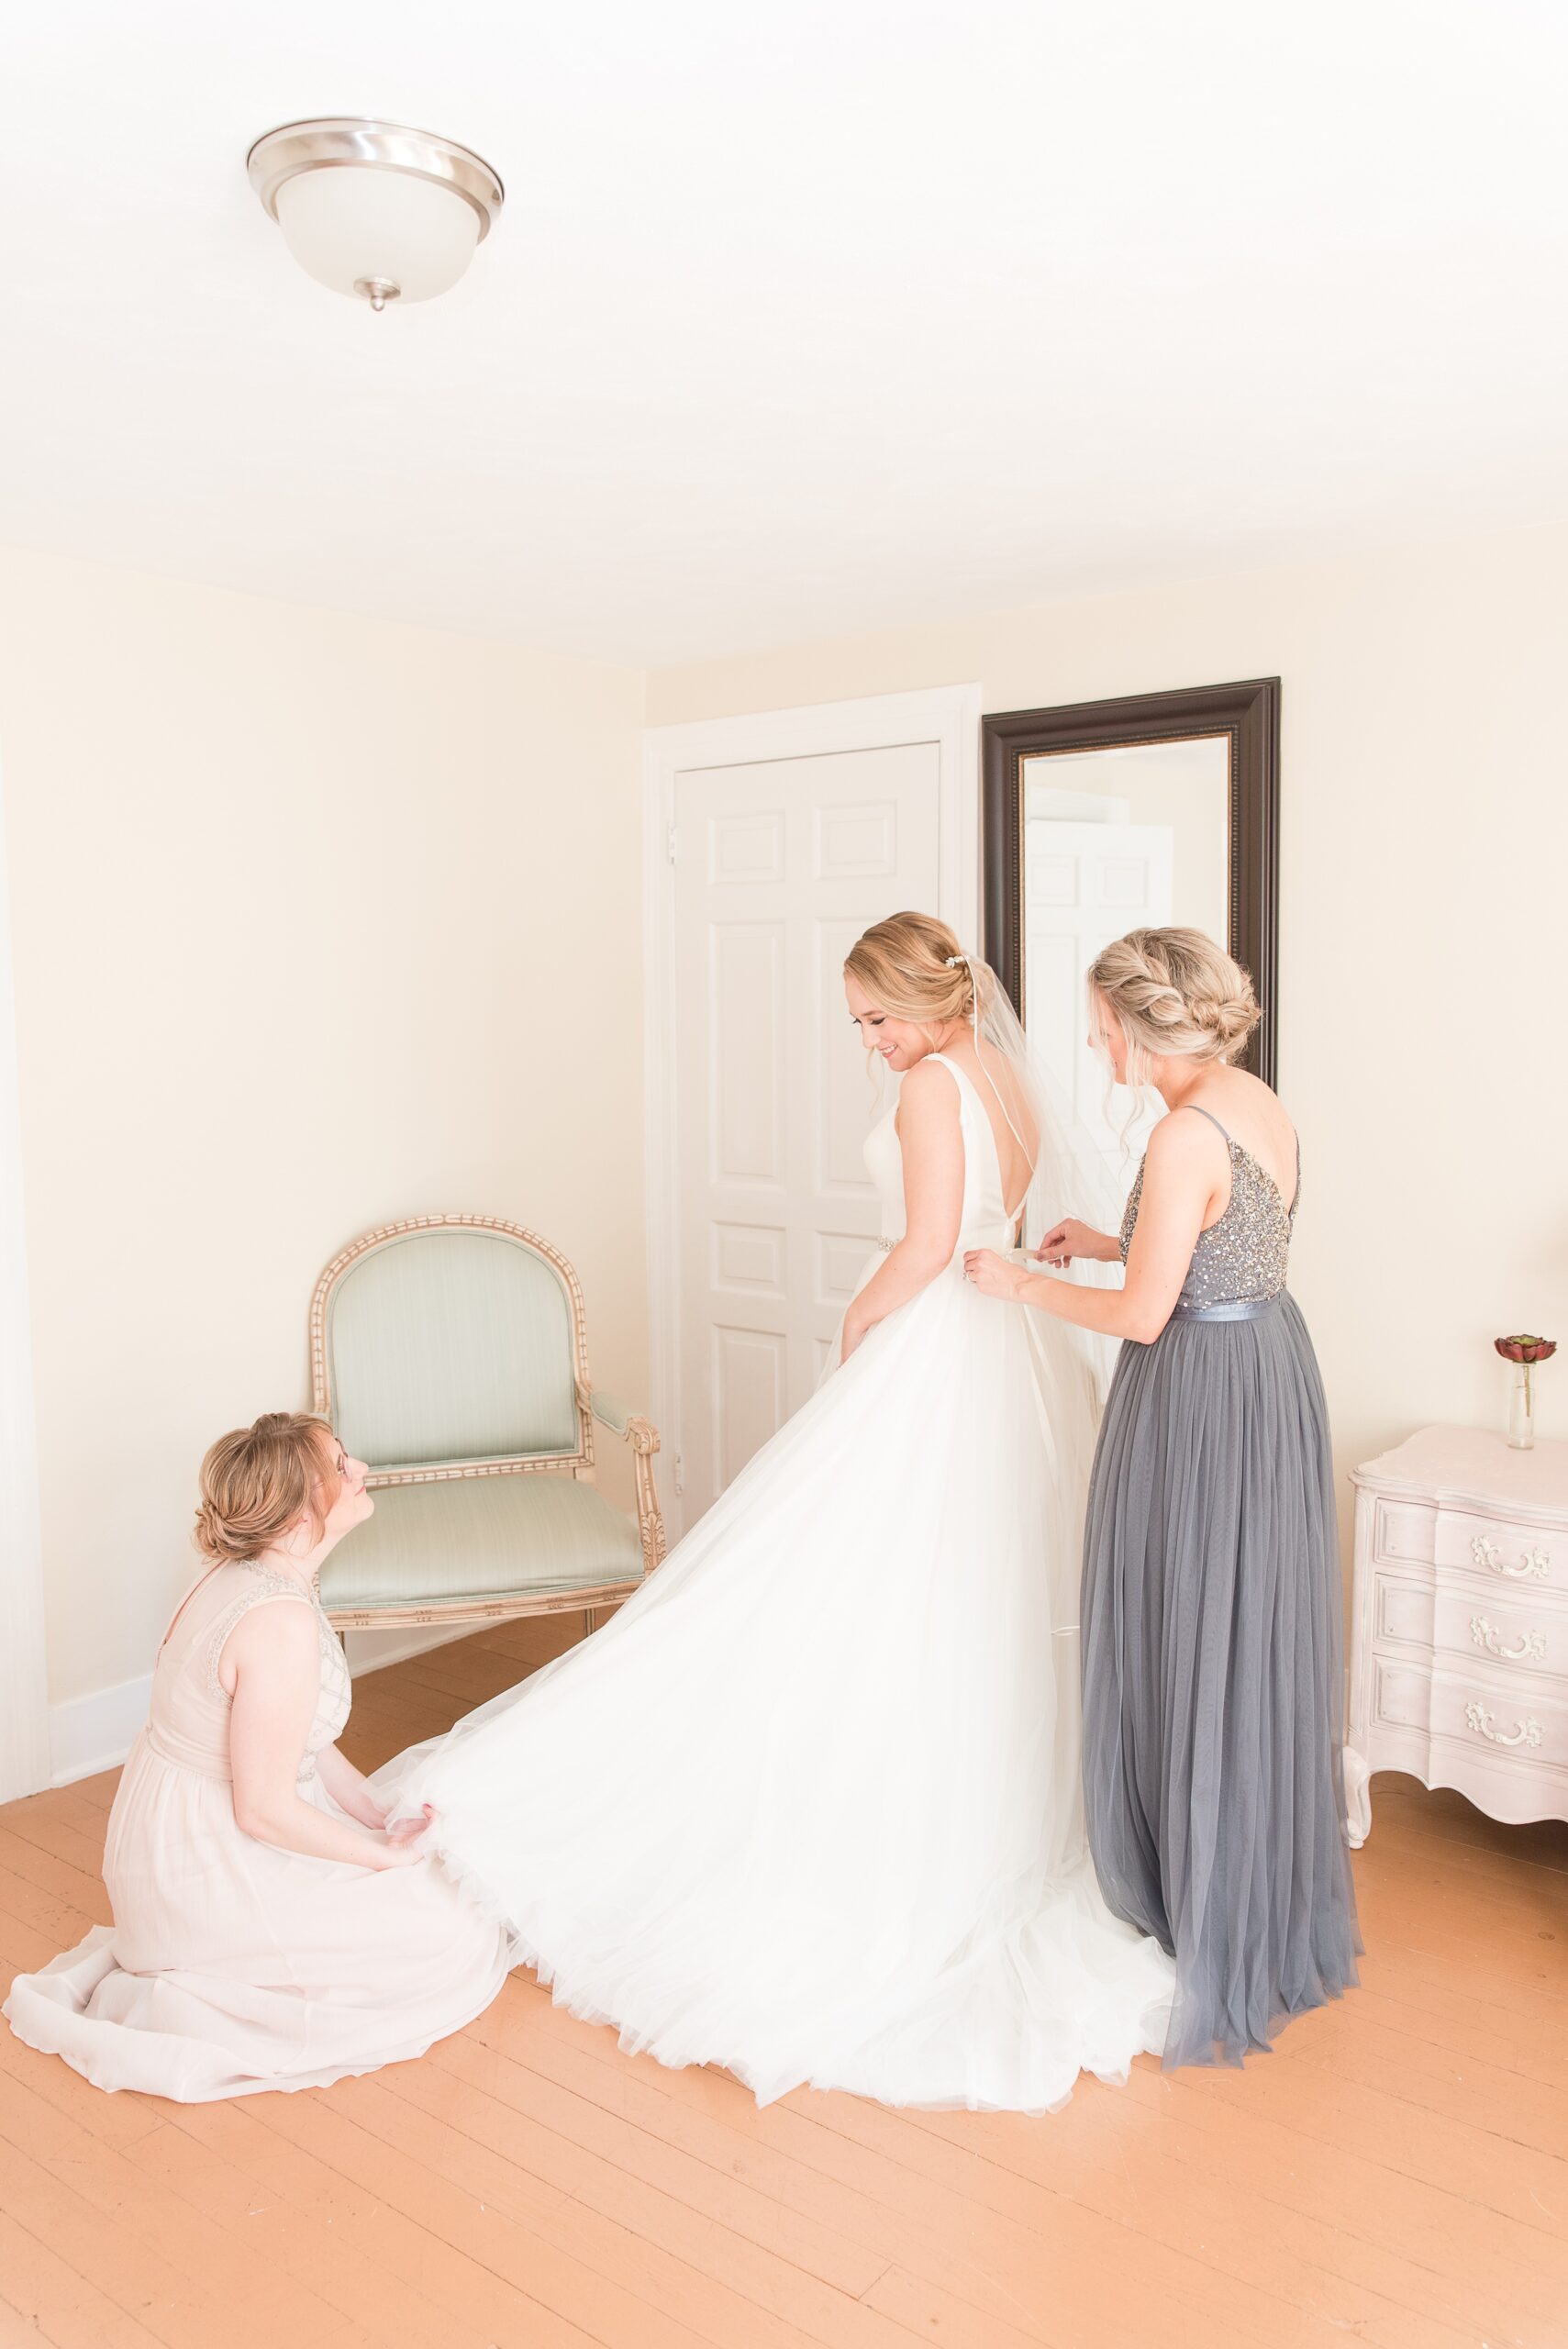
1176,995
258,1481
913,967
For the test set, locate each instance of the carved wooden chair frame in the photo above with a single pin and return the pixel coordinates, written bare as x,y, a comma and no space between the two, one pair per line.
639,1433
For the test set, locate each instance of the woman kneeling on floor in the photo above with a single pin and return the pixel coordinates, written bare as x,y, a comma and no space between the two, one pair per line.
269,1932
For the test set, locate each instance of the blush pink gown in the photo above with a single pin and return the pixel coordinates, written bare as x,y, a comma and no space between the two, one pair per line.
231,1965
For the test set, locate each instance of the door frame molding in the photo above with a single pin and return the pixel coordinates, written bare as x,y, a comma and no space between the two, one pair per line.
24,1682
946,715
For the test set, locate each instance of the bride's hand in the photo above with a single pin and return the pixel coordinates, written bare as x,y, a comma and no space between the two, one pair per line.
1069,1239
993,1275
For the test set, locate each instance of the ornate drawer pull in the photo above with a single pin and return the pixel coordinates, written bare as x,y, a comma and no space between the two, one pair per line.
1530,1642
1533,1564
1529,1733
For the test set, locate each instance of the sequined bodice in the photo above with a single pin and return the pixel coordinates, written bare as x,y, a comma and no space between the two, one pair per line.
1246,1253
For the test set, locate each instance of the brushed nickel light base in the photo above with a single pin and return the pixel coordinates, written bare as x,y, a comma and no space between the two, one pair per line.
337,139
377,290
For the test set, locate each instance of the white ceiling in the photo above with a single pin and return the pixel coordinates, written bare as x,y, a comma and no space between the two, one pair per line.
803,317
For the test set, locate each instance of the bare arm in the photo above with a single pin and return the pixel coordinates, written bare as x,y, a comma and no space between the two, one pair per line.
275,1662
1183,1185
931,1142
349,1788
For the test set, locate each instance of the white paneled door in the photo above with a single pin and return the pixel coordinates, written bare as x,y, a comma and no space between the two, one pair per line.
778,867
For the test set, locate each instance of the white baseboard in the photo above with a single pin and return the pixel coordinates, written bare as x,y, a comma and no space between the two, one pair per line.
92,1734
96,1732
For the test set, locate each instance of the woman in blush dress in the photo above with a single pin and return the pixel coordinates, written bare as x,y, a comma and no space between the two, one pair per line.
271,1931
1211,1584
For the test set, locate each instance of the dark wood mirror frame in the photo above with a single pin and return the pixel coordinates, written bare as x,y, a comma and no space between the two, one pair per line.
1248,714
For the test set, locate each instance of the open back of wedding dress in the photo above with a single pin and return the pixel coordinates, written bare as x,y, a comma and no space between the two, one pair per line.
809,1805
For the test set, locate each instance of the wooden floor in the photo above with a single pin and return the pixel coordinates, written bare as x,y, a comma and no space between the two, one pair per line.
1395,2172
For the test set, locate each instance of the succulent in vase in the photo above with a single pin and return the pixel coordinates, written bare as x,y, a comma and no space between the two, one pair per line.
1523,1351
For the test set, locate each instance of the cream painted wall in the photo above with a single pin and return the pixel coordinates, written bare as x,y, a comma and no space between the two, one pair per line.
318,922
1425,878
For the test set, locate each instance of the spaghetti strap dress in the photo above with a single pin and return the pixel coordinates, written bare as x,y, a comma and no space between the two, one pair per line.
1212,1640
233,1966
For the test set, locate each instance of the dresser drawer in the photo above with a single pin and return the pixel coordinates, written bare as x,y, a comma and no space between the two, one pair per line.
1504,1556
1403,1533
1504,1627
1479,1710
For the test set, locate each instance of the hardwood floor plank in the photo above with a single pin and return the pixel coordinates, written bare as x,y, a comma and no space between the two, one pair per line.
717,2226
480,2207
100,1790
1147,2178
61,1839
45,1912
1509,2180
644,2294
299,2168
79,1888
605,2143
62,2306
24,1948
258,2301
824,2174
362,2291
118,2119
1530,2113
64,1803
80,2222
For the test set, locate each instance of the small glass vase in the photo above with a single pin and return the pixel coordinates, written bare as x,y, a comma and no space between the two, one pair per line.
1521,1408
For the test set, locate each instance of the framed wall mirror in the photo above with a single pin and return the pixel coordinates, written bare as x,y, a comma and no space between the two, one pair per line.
1110,815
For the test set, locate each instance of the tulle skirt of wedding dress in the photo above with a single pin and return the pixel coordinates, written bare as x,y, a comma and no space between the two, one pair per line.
809,1805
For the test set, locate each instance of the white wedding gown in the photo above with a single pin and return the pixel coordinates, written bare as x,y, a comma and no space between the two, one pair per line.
809,1805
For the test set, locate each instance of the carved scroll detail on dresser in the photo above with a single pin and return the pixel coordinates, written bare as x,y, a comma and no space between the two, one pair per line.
1533,1563
1529,1733
1531,1643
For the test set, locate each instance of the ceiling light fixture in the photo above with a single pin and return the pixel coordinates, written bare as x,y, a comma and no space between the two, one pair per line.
373,210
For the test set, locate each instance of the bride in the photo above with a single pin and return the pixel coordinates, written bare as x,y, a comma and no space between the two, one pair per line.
809,1805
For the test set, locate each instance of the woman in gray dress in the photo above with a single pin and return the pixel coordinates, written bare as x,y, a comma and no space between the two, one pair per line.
1211,1611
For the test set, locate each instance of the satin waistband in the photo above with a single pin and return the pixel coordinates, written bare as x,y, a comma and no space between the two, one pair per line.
185,1756
1233,1308
987,1237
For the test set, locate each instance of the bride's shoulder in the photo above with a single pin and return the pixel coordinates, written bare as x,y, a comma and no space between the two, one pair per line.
927,1094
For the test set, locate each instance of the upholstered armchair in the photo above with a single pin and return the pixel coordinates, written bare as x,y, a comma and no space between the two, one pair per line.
449,1353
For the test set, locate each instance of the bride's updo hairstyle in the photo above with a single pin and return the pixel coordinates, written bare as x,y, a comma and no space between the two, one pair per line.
913,966
1176,995
258,1481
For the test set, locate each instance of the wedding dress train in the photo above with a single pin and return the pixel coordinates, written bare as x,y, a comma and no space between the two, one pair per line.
810,1804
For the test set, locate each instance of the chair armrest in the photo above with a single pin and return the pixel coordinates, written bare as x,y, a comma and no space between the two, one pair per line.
612,1413
644,1438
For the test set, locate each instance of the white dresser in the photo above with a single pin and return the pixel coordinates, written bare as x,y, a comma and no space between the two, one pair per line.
1458,1627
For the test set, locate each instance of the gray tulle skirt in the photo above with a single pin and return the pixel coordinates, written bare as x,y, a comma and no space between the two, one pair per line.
1211,1644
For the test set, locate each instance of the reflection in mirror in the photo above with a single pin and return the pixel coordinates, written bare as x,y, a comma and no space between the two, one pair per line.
1132,836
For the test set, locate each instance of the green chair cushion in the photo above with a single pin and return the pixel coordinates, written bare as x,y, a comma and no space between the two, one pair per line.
452,1344
480,1537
